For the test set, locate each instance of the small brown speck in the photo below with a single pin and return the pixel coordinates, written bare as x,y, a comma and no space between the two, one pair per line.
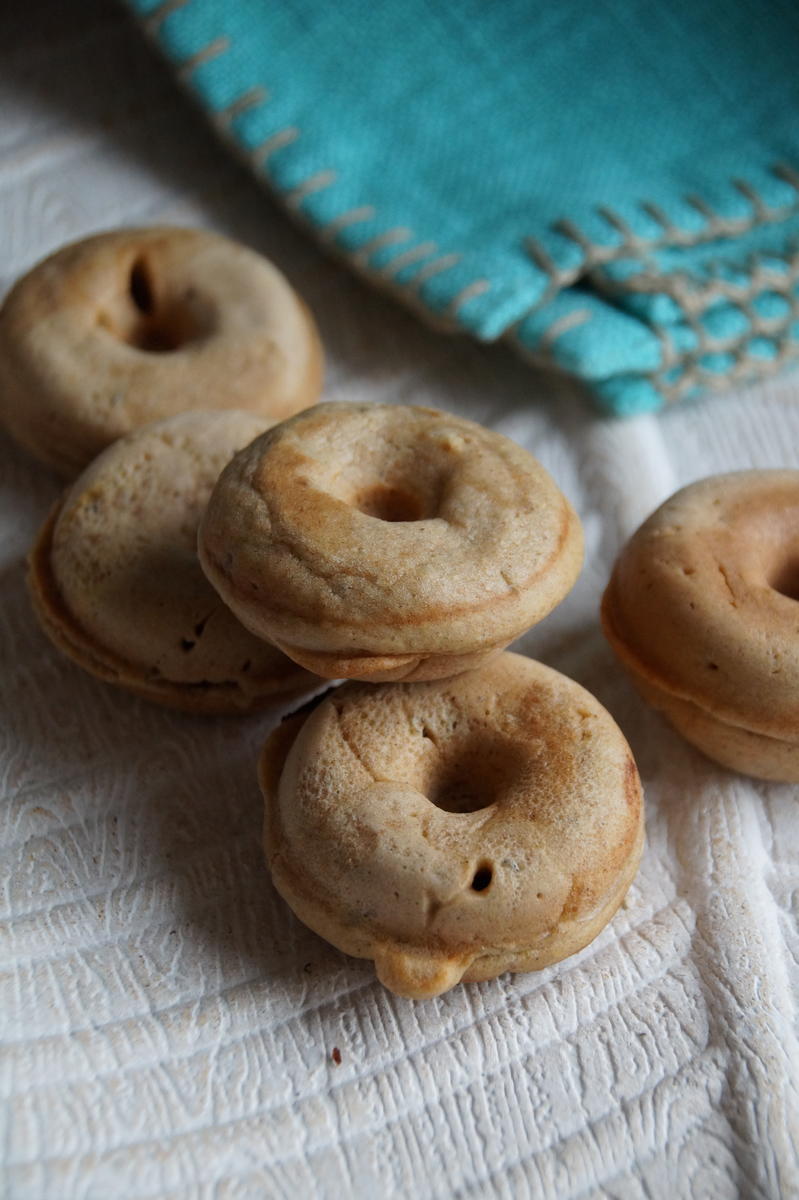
336,1056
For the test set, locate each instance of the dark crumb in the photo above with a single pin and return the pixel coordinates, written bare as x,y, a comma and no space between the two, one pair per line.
336,1055
307,968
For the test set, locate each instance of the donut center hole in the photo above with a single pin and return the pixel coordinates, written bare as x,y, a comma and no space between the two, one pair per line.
482,774
140,288
389,503
154,322
786,580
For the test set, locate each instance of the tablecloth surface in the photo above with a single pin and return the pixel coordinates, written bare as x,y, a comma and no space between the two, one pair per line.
167,1027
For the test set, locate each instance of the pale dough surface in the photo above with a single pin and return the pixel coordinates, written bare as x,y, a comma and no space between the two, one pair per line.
115,580
168,1027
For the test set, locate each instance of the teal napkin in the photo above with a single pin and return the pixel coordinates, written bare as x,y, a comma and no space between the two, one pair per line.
613,185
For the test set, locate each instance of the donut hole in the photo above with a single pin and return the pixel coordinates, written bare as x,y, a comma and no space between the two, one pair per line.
150,320
481,880
389,503
155,329
786,580
469,778
140,287
388,474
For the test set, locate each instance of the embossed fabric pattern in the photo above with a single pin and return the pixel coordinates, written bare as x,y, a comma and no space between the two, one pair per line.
612,187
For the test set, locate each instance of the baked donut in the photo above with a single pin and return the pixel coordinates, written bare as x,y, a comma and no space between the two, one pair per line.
702,611
378,542
116,584
129,327
454,829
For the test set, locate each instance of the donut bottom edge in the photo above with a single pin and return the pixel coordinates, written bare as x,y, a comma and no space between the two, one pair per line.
389,668
732,746
212,699
399,971
422,973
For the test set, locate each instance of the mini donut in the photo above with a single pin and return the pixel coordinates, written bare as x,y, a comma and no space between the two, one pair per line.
379,542
702,610
117,587
457,829
130,327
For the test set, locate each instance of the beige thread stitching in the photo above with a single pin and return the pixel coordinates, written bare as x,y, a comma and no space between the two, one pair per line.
775,329
365,212
252,98
756,320
665,222
477,288
629,236
778,330
407,258
745,367
716,226
695,296
755,199
314,183
594,254
703,339
700,206
261,153
259,156
575,234
218,46
389,238
155,20
434,268
539,358
571,320
669,353
557,278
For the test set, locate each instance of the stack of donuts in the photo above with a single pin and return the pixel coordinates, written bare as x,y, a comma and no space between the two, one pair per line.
453,811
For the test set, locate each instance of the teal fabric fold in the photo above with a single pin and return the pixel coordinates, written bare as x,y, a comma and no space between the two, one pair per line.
612,185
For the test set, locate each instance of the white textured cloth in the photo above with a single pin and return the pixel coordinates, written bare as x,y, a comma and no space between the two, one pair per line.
167,1026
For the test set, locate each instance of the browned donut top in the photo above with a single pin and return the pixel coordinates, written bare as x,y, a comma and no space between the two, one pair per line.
453,820
385,529
704,599
136,325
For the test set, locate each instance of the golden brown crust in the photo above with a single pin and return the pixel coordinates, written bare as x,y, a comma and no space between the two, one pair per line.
454,829
397,668
116,586
133,326
702,610
381,542
731,745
